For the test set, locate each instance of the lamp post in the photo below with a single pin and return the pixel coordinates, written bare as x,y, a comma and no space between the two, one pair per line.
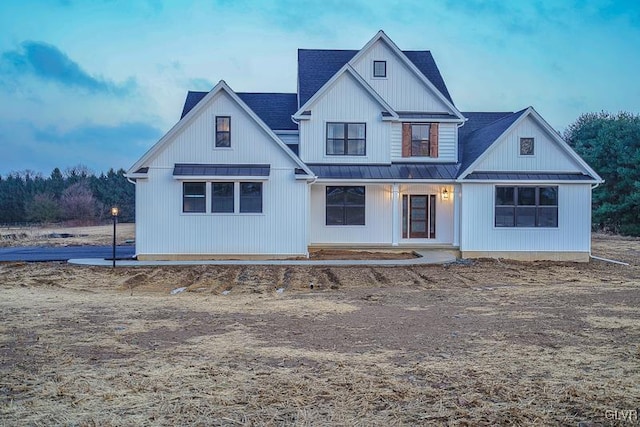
114,215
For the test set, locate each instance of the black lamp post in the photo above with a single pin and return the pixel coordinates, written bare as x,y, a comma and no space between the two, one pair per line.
114,215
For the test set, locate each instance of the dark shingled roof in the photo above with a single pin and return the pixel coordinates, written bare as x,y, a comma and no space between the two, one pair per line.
317,66
394,171
275,109
482,129
533,176
190,169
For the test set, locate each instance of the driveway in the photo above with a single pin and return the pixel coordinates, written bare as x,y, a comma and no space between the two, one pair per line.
63,253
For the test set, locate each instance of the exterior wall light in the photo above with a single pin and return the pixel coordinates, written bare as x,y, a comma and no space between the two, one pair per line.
114,214
445,194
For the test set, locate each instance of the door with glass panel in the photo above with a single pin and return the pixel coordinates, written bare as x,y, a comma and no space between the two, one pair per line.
419,216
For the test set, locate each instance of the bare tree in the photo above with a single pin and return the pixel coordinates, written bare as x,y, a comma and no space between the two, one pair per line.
77,202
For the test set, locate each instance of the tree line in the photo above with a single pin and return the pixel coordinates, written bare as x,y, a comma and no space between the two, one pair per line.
610,144
75,195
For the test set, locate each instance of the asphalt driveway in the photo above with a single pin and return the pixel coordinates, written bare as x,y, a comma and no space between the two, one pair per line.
63,253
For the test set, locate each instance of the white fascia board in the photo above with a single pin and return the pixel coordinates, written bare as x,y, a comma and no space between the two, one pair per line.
380,35
346,68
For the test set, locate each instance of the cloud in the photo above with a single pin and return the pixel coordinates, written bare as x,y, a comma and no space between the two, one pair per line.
48,62
97,146
122,135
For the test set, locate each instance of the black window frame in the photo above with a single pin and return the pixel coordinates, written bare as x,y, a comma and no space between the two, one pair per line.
384,75
216,198
190,197
533,146
345,206
345,139
223,132
244,198
522,209
421,140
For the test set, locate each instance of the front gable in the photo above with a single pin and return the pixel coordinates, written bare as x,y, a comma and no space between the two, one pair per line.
345,98
192,139
401,87
530,145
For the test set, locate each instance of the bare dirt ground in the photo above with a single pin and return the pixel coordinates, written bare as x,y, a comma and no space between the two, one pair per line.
487,343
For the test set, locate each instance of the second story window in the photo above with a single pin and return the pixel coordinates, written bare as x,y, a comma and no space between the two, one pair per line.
223,131
420,140
346,139
379,69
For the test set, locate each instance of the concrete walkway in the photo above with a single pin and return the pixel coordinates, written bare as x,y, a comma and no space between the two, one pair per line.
430,256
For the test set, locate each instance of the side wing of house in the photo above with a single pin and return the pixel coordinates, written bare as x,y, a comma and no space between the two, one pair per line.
220,183
527,195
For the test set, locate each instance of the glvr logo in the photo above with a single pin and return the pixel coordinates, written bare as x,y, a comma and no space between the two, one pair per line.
630,415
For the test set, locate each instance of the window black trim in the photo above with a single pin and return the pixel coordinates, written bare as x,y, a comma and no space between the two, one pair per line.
385,69
533,146
517,206
218,209
345,205
246,199
345,139
223,132
194,196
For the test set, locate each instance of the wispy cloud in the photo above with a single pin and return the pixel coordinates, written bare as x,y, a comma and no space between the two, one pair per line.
119,136
49,63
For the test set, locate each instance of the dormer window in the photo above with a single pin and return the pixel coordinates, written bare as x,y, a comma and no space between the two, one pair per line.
379,69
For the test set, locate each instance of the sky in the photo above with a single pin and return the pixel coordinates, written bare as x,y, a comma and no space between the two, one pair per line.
97,83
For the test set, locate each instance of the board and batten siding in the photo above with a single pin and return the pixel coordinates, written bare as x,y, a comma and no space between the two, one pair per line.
479,234
281,229
378,228
163,229
548,156
402,89
376,231
447,144
345,101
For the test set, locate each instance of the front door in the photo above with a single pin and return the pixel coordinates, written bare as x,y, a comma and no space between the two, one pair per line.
419,216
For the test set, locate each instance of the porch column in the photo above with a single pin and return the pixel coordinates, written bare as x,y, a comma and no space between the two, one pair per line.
395,214
457,201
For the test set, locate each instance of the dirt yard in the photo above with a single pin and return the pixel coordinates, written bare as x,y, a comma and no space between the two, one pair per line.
487,343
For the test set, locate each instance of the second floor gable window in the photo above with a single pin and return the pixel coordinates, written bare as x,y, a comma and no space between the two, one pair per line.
223,131
346,139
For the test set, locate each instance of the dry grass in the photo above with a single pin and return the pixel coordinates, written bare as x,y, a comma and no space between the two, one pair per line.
50,235
493,343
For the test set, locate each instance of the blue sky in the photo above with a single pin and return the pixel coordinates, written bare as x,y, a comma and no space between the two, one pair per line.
96,83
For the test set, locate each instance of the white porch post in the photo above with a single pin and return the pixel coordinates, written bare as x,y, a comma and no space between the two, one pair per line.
457,201
395,214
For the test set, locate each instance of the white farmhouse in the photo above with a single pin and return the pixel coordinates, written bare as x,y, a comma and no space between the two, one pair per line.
370,153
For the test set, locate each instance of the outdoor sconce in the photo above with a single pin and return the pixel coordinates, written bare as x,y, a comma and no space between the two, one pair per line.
114,214
445,194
